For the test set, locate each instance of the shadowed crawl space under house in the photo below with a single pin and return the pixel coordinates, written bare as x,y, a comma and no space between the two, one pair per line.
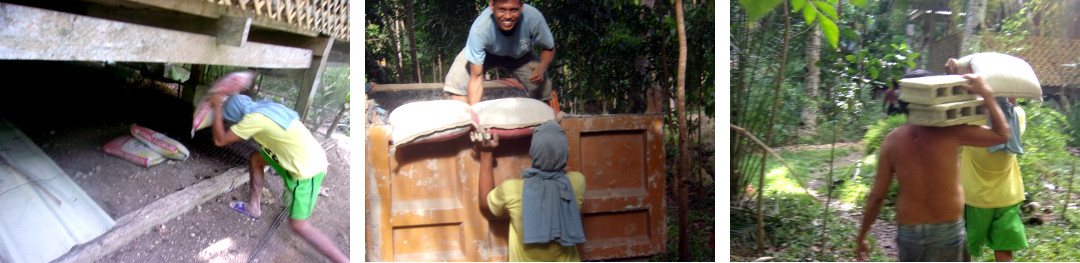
78,74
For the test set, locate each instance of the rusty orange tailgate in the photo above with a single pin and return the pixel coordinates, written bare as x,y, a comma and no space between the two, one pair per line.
422,199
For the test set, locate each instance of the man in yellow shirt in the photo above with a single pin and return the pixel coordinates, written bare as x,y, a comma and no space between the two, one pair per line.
993,192
545,220
289,148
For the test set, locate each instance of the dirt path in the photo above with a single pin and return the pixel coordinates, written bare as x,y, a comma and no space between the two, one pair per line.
883,232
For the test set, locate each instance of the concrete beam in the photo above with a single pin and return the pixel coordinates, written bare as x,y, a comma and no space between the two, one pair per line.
28,33
233,31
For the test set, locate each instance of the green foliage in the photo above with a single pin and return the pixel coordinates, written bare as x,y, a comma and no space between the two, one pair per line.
794,220
758,8
1044,143
821,11
1073,118
873,138
1051,243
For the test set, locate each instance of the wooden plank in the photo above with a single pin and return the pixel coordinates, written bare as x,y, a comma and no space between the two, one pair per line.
379,240
28,33
233,31
139,222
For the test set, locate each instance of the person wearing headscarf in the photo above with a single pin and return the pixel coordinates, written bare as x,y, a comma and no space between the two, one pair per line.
544,205
289,148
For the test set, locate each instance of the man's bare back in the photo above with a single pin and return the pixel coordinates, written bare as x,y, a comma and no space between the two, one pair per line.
925,161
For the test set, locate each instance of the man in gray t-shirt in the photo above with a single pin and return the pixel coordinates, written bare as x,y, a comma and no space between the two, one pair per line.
504,36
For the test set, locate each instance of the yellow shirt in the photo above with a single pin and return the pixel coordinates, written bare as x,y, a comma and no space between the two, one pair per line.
507,197
294,148
992,179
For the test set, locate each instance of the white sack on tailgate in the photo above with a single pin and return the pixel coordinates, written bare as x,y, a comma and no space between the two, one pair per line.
415,120
512,113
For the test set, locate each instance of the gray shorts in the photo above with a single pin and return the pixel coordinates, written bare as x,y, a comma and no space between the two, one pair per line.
932,242
457,79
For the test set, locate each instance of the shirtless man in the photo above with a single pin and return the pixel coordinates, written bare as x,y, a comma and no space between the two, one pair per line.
930,206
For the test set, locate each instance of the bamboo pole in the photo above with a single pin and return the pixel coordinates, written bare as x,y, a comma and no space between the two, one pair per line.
769,129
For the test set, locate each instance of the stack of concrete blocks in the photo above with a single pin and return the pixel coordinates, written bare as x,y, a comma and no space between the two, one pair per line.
940,101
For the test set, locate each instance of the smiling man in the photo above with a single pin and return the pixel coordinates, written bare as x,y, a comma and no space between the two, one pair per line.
504,35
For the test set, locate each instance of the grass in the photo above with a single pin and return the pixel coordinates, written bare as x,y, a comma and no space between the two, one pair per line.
795,220
702,226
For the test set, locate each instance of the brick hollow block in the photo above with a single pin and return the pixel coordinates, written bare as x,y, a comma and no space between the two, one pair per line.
934,90
946,114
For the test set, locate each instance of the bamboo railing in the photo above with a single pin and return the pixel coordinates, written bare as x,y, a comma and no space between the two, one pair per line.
329,17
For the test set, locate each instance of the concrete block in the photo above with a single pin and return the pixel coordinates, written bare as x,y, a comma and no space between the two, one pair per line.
946,114
934,90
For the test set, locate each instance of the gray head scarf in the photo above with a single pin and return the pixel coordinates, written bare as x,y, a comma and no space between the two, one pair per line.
549,207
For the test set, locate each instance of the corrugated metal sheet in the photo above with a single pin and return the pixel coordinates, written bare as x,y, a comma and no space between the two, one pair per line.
43,213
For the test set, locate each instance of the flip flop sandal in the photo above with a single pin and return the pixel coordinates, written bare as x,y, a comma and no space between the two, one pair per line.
241,207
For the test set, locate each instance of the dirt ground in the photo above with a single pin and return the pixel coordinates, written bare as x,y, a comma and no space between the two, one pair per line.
85,110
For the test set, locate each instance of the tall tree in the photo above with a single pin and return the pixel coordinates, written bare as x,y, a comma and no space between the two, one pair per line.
412,39
684,137
812,81
973,25
396,46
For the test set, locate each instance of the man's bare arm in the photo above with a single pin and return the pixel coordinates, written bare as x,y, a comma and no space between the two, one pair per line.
999,131
476,83
546,56
487,171
880,188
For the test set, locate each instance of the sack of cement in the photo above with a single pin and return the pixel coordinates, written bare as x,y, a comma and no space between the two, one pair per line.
230,84
1009,76
160,143
133,150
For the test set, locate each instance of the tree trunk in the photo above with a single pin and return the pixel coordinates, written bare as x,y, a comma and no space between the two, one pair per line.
973,26
1071,21
769,127
395,47
684,146
439,76
412,40
812,81
665,80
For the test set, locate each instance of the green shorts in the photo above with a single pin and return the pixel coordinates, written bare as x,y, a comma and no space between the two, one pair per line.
1001,229
303,192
